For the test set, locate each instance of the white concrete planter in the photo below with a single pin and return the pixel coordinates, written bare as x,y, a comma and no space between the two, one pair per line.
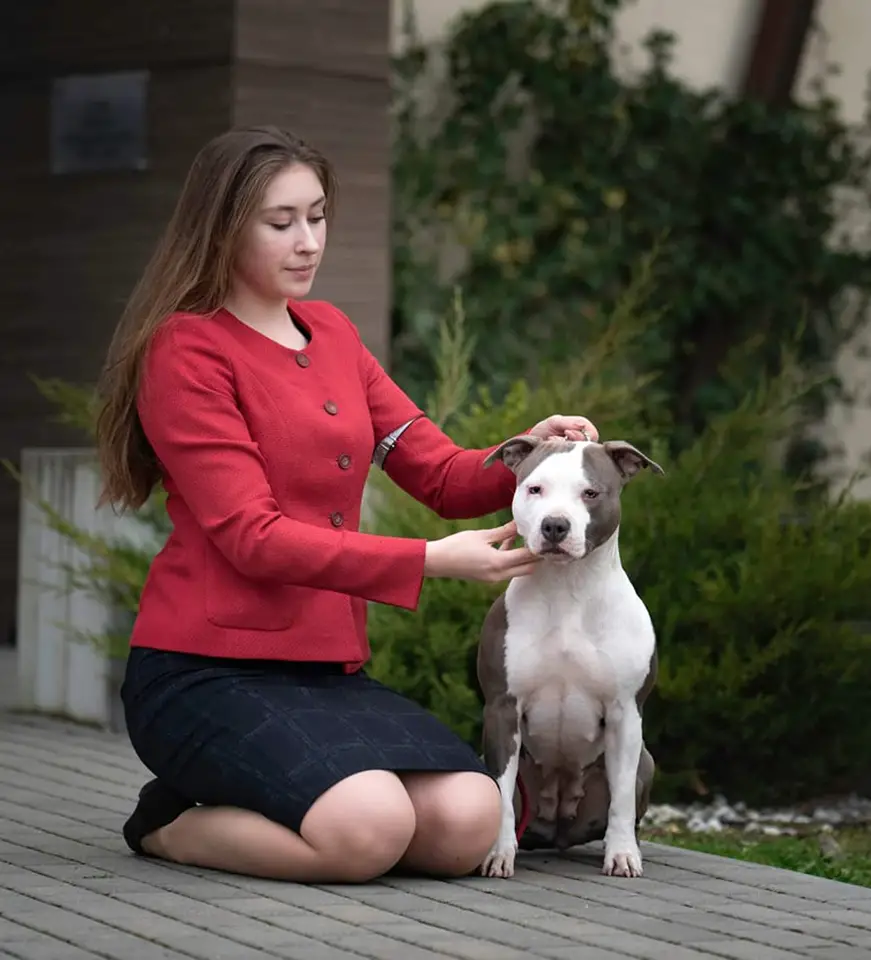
57,673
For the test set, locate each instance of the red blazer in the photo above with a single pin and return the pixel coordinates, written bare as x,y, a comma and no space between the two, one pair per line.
265,452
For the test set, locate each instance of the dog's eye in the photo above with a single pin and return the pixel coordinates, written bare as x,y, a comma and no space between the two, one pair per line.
591,494
534,490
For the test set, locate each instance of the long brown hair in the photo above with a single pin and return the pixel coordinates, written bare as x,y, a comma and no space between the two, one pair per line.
190,270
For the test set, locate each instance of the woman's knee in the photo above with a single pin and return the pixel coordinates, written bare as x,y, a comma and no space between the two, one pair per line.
457,816
363,824
461,804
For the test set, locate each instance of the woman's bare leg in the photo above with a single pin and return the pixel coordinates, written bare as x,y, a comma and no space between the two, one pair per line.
457,817
358,830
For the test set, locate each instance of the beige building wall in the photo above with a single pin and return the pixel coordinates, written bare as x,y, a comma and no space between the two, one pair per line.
842,38
714,35
712,49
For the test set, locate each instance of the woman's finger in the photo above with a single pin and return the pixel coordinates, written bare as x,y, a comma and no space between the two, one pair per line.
516,557
508,531
579,428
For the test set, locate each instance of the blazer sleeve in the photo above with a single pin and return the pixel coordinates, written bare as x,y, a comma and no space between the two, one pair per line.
425,462
189,413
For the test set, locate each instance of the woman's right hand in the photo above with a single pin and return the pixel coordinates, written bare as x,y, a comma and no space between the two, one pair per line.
470,555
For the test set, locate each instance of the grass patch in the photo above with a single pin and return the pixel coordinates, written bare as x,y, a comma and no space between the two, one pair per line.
849,861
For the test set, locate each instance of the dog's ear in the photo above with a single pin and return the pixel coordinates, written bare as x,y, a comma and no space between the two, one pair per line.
514,451
628,460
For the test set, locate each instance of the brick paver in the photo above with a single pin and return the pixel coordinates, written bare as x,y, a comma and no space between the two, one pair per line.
70,890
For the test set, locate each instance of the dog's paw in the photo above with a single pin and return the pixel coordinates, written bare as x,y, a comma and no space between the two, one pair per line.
622,860
499,861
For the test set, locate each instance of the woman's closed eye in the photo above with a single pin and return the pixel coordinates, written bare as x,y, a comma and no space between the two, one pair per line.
285,226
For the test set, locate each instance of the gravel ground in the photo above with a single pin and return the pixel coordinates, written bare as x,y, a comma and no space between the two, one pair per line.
719,814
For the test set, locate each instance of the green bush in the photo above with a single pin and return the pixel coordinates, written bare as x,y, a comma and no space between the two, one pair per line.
760,594
533,172
758,588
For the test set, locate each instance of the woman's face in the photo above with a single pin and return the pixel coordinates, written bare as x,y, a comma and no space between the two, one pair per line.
282,244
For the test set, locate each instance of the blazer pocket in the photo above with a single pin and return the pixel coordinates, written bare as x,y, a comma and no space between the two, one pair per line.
242,603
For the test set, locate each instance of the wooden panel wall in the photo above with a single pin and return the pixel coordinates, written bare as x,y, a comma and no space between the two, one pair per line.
65,35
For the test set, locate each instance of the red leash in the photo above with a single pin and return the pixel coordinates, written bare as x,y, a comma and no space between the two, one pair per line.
525,811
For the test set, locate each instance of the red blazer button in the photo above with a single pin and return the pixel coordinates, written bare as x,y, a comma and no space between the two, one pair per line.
336,519
331,408
302,359
344,461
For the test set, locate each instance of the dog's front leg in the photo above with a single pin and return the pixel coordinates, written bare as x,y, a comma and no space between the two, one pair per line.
622,752
502,756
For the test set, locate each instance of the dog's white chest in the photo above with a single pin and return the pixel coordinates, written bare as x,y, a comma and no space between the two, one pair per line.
567,657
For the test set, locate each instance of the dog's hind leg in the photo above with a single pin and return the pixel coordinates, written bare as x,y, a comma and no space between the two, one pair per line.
591,816
549,796
646,772
572,791
501,757
539,833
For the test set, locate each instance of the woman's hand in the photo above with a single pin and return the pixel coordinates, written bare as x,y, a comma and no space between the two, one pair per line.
567,428
470,555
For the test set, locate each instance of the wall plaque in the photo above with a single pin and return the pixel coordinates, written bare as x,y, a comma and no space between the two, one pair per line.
99,122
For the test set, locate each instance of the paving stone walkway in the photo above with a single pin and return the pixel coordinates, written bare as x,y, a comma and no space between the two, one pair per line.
70,890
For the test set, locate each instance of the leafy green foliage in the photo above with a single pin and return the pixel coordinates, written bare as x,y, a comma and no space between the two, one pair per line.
541,172
760,595
74,406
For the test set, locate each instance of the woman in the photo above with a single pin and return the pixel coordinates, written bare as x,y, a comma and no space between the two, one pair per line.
274,754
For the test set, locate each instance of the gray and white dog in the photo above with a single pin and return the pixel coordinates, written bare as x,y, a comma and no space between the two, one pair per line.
566,659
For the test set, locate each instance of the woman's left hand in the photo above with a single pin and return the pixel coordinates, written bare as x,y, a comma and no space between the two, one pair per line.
566,428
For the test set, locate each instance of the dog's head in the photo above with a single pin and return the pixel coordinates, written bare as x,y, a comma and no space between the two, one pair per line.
567,500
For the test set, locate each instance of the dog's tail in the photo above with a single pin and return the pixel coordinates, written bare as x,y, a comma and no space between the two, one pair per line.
525,811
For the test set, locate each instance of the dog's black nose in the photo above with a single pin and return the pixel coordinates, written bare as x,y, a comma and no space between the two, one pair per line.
555,529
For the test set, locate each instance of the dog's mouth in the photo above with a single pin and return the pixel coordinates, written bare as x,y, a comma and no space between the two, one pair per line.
552,551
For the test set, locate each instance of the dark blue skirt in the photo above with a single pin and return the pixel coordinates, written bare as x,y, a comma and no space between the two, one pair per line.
272,736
